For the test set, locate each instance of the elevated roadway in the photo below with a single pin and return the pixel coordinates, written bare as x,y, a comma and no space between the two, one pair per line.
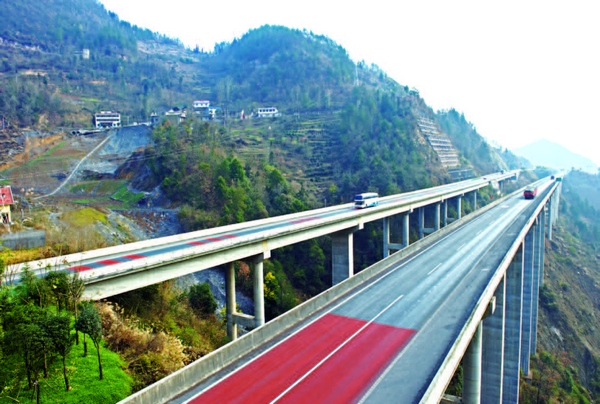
115,270
393,333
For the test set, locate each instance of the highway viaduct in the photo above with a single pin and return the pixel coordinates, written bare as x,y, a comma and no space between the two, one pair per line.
490,325
474,339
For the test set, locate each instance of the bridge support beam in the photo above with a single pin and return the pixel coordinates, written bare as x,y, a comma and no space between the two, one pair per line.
387,245
493,350
445,213
544,219
230,301
527,314
512,332
550,219
458,207
406,229
472,370
421,221
537,272
475,200
342,251
259,288
436,224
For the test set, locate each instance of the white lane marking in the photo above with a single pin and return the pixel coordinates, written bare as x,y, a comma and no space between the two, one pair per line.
325,359
335,307
458,249
438,265
479,232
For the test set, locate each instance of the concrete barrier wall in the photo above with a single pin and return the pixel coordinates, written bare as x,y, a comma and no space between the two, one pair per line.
23,240
178,382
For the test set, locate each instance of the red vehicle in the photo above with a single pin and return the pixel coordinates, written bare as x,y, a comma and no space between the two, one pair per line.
530,193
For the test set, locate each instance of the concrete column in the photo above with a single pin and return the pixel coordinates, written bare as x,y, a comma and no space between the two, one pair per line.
458,207
472,370
342,251
512,331
475,200
527,313
259,288
493,350
539,234
436,225
445,215
421,217
230,301
550,219
501,186
406,229
544,219
386,236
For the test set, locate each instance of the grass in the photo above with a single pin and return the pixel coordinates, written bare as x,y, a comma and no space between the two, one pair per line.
89,99
84,217
86,387
127,197
44,156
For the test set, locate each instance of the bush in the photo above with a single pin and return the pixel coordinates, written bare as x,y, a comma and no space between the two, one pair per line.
201,299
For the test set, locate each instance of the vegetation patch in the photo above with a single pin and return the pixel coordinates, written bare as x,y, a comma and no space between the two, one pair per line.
84,217
127,197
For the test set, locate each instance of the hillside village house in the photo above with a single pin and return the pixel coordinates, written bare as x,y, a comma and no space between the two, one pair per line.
268,112
6,199
107,119
202,109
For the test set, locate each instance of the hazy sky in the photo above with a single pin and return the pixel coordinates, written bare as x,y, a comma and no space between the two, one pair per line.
519,70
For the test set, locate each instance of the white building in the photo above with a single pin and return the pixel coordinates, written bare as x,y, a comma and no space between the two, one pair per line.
201,104
107,119
268,112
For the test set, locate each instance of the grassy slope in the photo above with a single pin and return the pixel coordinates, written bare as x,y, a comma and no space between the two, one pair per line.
83,379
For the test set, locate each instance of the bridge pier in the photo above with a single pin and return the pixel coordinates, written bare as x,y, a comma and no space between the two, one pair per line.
421,221
421,216
342,251
537,260
550,219
259,288
387,245
512,332
445,215
527,313
472,370
493,349
458,207
230,301
475,200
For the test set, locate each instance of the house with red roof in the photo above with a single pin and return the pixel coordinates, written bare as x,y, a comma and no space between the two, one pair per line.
6,199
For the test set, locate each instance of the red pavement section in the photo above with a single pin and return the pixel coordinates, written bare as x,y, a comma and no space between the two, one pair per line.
339,379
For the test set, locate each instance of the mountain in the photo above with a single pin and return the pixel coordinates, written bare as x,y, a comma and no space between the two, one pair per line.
549,154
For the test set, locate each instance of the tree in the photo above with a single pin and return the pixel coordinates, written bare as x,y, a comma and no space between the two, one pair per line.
202,299
57,329
89,323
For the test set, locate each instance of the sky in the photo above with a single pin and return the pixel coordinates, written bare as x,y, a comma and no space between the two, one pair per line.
520,70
